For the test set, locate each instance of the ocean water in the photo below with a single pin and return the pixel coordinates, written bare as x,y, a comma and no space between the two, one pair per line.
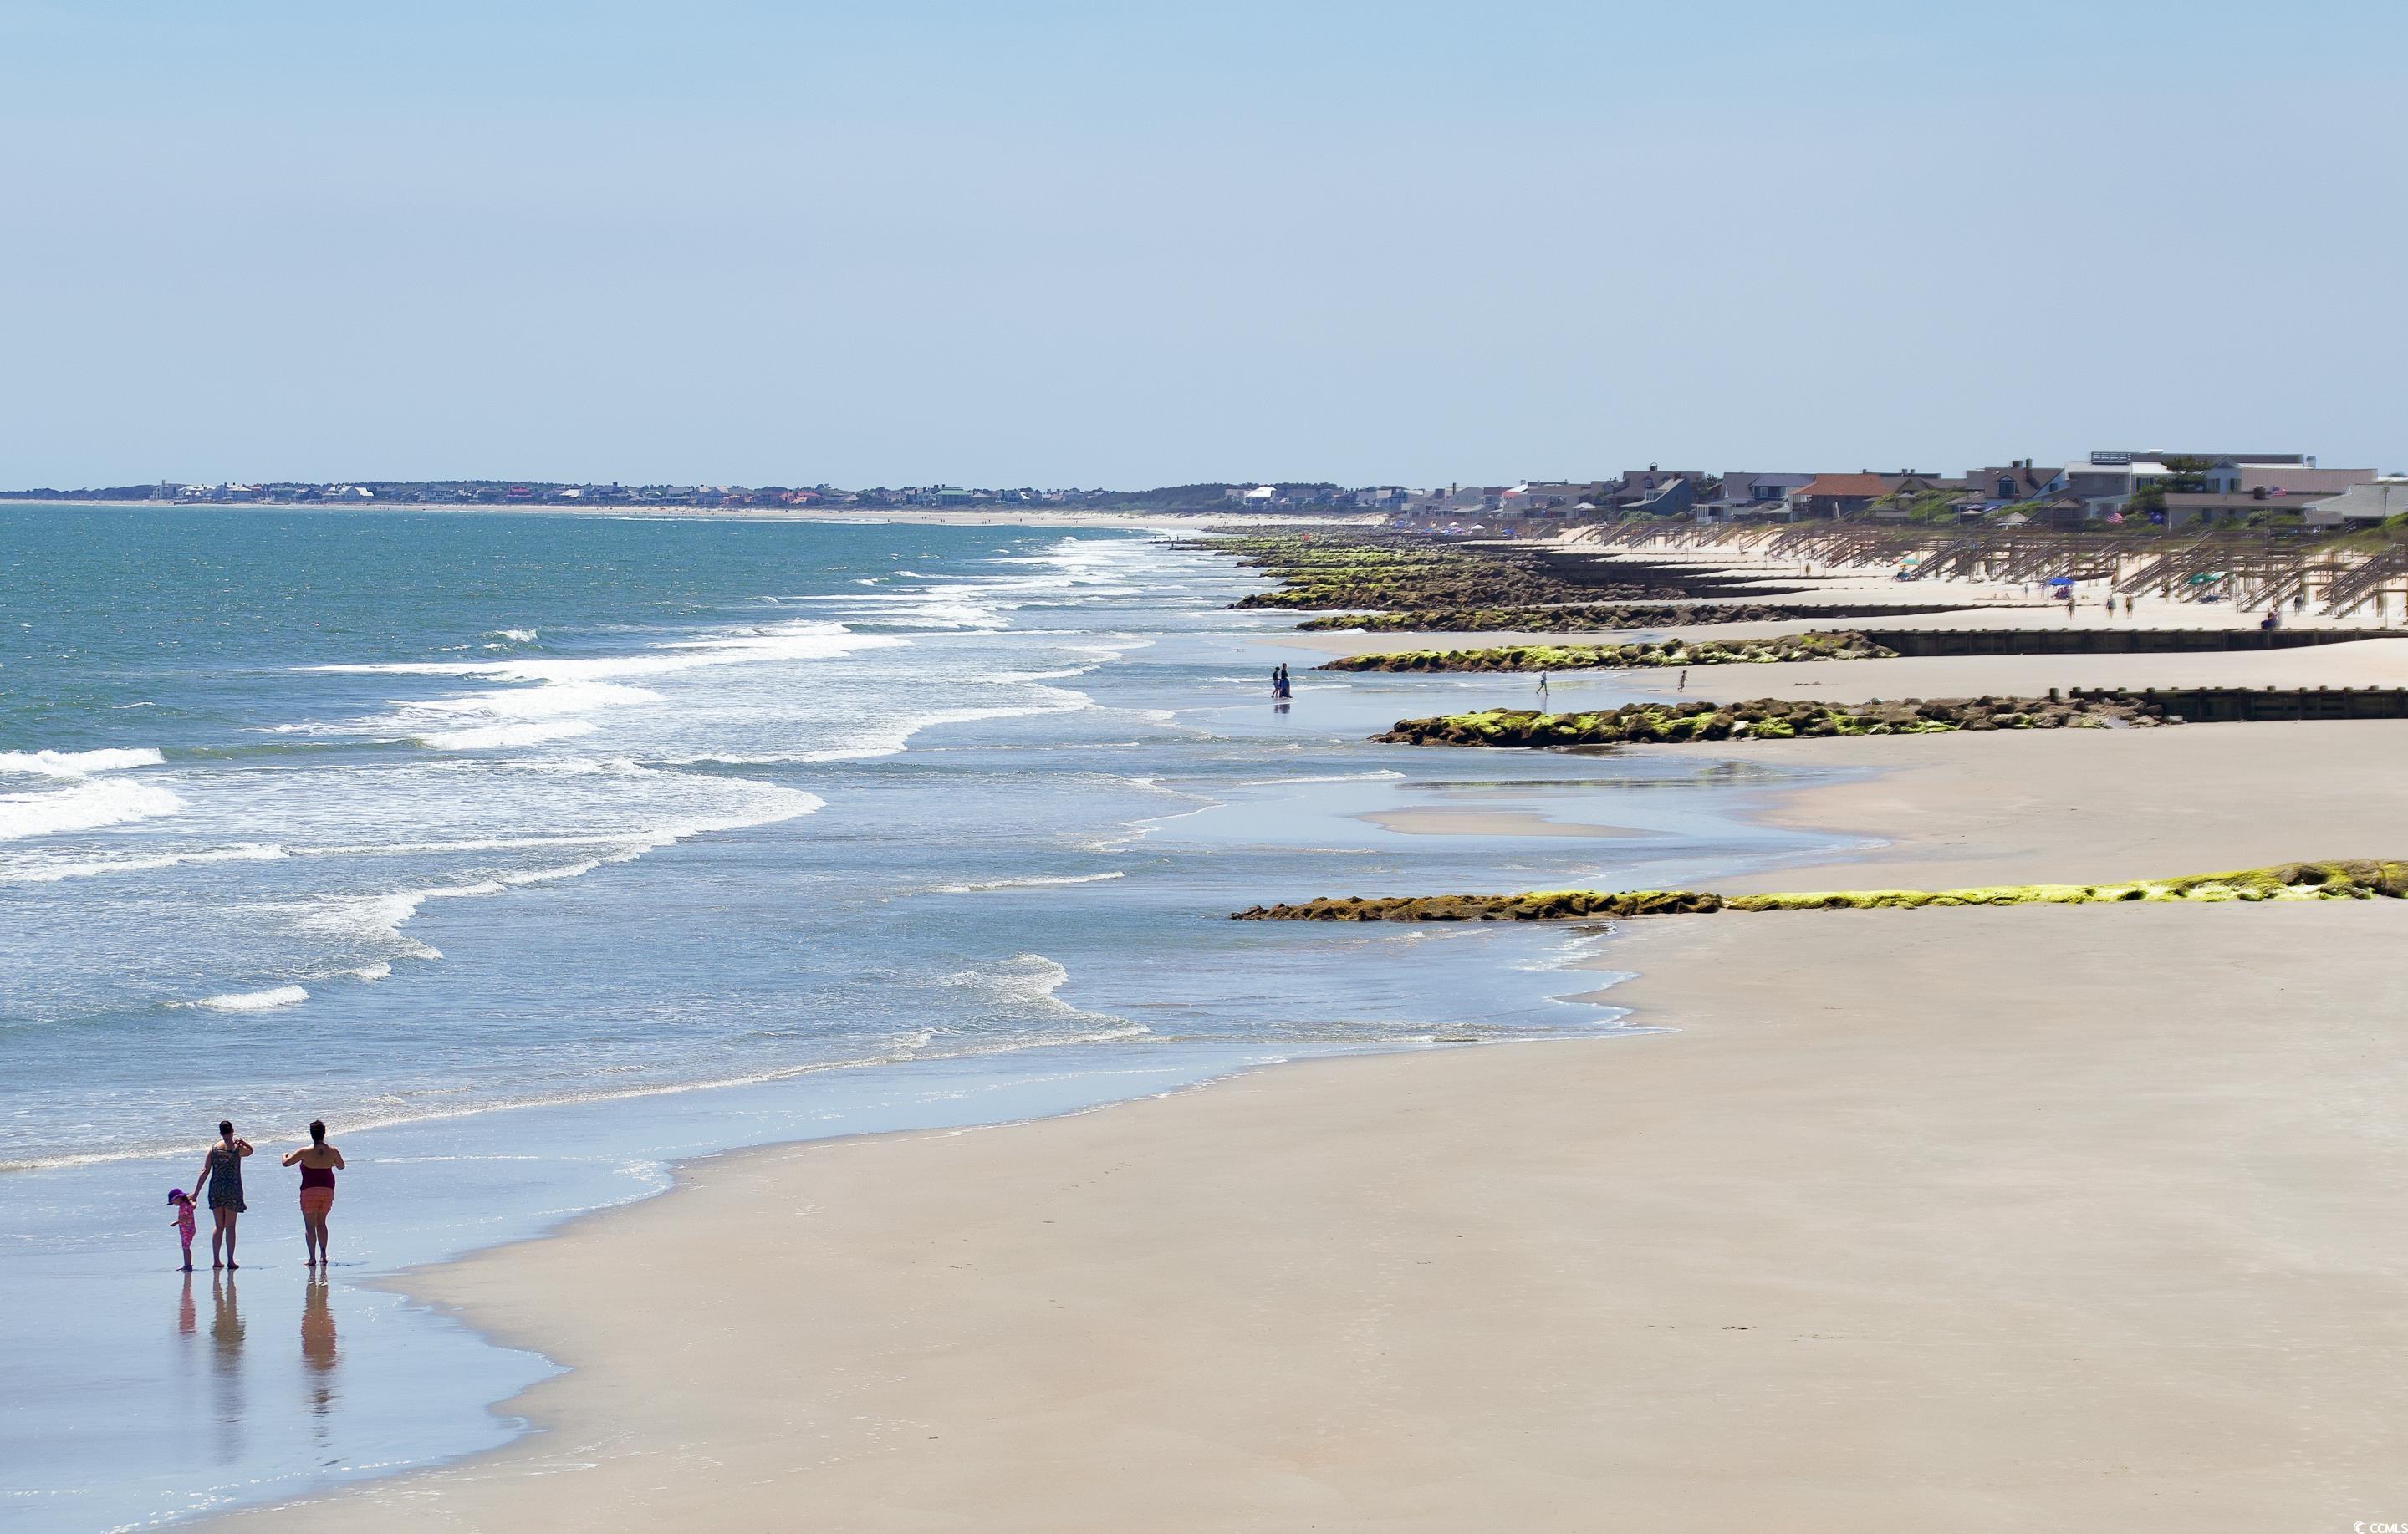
537,852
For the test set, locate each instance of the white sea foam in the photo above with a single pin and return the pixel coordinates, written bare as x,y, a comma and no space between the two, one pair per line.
887,738
372,918
499,736
550,701
465,845
379,919
518,636
1382,775
91,802
78,764
1026,884
1032,979
566,871
802,639
255,1001
34,870
544,697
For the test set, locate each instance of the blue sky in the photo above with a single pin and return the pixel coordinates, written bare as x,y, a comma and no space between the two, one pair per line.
1079,243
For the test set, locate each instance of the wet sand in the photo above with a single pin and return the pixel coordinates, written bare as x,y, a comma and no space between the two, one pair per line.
1974,1219
1443,822
2358,663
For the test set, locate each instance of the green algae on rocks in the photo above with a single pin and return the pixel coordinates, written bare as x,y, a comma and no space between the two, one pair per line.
2358,880
1772,719
1379,572
1584,657
1580,618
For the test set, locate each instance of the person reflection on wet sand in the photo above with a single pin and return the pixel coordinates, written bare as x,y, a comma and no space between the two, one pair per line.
226,1327
188,1319
226,1339
319,1353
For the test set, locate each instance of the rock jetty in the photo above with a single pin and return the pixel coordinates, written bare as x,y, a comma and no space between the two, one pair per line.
1585,657
1774,718
2359,879
1598,617
1368,571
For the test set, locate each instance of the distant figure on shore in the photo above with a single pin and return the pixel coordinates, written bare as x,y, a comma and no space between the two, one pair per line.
318,1162
1684,685
1542,687
184,1222
2274,619
1280,692
221,1174
2127,604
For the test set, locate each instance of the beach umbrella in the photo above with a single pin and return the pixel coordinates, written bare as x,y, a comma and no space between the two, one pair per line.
2060,580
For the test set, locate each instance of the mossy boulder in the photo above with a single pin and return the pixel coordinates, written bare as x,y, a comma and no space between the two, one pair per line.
1379,571
2354,880
1593,617
1661,652
1771,719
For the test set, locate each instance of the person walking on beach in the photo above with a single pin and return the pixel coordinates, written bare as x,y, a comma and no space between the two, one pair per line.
1542,687
318,1162
221,1174
1683,685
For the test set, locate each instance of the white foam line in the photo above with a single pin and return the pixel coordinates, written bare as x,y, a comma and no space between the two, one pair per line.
900,1056
501,736
30,872
253,1001
1382,775
92,802
79,763
1024,883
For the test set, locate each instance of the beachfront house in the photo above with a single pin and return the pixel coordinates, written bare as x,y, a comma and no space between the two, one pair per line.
1635,486
1841,494
2109,480
1669,498
1754,494
2360,505
2009,483
2185,506
2285,477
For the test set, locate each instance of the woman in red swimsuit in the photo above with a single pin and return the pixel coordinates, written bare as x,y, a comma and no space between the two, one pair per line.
318,1162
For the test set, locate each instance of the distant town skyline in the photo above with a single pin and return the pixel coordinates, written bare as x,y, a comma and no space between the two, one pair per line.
1054,244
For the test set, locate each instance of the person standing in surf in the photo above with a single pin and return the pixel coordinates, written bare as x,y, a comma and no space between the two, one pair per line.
221,1174
318,1162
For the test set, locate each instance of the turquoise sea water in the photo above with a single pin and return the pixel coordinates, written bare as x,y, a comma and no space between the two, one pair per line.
535,852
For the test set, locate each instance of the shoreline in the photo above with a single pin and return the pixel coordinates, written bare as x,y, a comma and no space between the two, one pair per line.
1158,1387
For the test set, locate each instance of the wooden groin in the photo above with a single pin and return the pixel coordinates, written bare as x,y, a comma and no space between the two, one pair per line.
2107,641
1686,578
2253,705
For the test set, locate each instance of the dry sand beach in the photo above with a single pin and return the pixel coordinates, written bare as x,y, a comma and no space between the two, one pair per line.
2038,1217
